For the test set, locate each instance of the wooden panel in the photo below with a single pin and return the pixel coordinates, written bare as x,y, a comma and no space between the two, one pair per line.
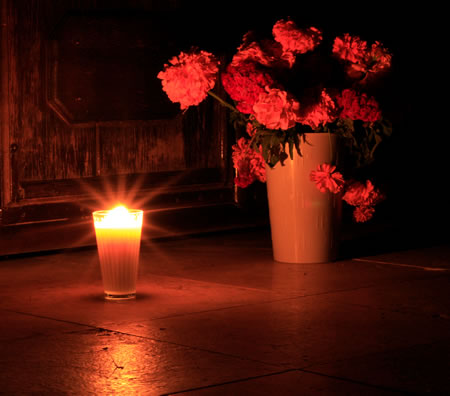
104,67
205,135
68,233
5,164
25,89
167,181
81,49
85,122
59,152
141,147
46,148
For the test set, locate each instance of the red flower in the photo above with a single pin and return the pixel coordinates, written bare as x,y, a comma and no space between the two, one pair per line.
244,82
363,213
378,59
294,40
326,178
362,60
350,48
250,128
249,164
358,107
359,194
321,113
275,109
265,52
268,53
364,197
189,77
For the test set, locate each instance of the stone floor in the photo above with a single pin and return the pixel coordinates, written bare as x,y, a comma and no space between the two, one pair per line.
215,315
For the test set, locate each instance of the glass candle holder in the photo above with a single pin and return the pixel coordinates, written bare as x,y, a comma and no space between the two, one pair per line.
118,234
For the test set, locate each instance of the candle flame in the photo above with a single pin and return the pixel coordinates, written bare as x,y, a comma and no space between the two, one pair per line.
118,212
120,217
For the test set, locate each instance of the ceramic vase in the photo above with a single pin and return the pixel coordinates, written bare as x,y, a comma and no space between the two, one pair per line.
304,221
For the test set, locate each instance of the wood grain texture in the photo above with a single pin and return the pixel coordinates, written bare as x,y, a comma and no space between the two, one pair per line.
103,66
141,147
5,164
54,166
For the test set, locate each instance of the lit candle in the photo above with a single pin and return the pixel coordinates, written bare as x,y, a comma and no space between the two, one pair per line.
118,234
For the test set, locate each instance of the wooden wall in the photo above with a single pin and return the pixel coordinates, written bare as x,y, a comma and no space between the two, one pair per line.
84,120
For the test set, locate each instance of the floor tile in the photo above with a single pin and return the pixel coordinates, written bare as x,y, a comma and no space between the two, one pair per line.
98,362
252,266
426,297
16,326
293,383
216,314
429,258
296,332
419,369
157,297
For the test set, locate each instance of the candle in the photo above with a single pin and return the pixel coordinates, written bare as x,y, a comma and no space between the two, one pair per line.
118,234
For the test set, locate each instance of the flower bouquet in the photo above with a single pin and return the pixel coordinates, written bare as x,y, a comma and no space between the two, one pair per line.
284,88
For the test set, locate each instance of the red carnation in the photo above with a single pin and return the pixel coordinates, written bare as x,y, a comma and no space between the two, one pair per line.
378,58
276,109
350,48
362,59
250,128
294,40
249,164
358,107
326,178
321,113
363,213
244,83
268,53
364,197
359,194
189,77
265,52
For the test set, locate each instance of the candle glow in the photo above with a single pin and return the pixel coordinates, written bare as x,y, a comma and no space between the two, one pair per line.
119,217
118,234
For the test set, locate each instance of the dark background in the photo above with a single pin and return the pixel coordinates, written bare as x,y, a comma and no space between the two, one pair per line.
413,166
49,156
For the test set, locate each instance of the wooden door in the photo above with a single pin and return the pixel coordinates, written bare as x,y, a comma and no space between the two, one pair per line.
85,124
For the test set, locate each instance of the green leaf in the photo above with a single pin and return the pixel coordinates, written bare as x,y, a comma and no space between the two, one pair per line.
291,149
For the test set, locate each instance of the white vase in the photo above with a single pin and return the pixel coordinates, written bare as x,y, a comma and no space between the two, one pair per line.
304,221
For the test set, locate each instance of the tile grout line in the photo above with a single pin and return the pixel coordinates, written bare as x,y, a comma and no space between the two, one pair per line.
268,301
146,338
169,317
366,355
229,382
402,265
225,285
306,371
339,378
302,370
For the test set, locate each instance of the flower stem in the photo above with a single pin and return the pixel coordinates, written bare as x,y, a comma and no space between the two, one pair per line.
232,108
222,102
